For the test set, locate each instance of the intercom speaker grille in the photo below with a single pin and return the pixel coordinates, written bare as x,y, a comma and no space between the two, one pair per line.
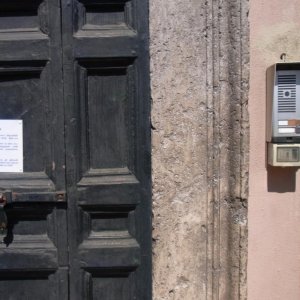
286,93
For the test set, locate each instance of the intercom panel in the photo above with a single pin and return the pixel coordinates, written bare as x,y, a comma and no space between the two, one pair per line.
283,103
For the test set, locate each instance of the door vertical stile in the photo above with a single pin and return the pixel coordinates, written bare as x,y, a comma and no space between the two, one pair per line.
71,146
58,138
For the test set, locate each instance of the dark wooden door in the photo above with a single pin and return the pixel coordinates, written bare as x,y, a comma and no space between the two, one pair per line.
79,216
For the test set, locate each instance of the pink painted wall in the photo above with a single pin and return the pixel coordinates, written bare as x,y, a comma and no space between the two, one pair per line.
274,203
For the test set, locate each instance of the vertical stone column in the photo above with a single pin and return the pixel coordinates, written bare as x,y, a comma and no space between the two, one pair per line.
199,73
227,94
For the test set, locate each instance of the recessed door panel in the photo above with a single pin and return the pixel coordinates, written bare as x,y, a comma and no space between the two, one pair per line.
106,97
97,15
16,15
31,287
42,285
112,285
106,111
22,97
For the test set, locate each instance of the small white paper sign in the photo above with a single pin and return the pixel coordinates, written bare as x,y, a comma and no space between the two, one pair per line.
11,146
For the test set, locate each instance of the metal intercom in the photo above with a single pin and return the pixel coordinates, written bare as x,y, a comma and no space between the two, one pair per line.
283,114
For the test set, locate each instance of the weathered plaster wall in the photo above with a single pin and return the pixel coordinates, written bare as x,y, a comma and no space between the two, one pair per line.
274,202
199,73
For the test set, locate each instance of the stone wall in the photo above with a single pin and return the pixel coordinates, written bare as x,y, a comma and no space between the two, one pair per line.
199,73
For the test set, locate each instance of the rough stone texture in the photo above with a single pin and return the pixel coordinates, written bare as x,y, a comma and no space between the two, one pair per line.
199,73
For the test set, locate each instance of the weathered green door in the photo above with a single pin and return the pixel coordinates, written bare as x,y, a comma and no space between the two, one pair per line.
79,215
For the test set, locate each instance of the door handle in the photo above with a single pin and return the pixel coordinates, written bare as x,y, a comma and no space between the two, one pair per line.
3,216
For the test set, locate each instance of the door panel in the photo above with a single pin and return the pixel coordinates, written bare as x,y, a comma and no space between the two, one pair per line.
22,97
77,74
33,255
38,285
107,142
24,30
99,15
106,97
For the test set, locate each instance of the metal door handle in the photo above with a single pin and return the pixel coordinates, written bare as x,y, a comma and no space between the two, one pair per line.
3,216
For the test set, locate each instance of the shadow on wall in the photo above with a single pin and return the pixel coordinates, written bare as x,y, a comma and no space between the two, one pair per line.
281,180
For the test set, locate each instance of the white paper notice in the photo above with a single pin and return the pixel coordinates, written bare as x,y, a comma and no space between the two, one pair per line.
11,146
